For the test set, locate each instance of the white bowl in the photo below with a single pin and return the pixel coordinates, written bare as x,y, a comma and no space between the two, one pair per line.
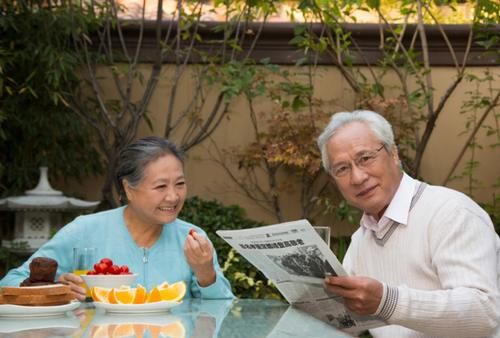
109,281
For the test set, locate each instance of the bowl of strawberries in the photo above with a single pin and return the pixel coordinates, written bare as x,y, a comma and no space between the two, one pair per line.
107,274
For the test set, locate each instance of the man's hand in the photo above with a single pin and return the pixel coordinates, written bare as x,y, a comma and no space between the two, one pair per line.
362,295
199,255
74,282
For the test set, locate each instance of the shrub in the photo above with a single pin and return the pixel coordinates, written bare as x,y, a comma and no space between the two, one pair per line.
246,280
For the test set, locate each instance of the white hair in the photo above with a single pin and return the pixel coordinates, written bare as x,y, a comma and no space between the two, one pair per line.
376,122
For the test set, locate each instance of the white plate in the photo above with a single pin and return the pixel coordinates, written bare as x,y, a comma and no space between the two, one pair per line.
11,311
136,308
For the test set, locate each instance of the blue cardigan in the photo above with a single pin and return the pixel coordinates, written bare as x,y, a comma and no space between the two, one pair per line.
106,231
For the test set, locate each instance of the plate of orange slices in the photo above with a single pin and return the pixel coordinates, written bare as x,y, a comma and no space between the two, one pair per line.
126,299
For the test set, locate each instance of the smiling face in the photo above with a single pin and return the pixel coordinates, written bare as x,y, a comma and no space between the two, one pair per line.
371,188
159,197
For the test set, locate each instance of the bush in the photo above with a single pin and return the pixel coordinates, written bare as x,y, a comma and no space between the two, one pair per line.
38,76
9,260
246,280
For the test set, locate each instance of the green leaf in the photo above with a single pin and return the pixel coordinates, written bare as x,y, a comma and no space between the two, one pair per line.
373,4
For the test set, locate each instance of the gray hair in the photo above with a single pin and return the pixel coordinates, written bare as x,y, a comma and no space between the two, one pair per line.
376,122
134,157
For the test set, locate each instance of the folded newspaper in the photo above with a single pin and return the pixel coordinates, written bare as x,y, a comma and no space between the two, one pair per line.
297,260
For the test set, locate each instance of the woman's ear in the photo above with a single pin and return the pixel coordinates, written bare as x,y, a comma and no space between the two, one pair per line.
128,190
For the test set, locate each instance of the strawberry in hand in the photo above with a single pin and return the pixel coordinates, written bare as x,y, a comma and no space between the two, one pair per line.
199,255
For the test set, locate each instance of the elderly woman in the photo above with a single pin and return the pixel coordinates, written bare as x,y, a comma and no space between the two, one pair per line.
145,234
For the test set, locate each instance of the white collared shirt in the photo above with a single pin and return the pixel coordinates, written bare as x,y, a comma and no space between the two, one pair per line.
398,210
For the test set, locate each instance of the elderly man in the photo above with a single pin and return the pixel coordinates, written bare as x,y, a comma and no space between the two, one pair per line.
425,258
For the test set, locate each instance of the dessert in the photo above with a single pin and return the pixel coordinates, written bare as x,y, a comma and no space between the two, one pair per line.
39,289
42,272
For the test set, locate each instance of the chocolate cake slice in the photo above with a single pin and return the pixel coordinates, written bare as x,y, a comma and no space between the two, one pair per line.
42,272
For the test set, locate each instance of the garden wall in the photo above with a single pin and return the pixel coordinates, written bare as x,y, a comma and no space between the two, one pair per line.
207,180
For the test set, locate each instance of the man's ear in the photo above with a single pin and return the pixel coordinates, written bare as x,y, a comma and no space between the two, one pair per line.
395,156
395,153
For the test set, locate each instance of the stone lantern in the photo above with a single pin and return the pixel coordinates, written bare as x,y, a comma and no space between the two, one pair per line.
36,211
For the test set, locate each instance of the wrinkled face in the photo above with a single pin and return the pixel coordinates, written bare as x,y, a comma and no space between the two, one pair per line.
159,197
371,185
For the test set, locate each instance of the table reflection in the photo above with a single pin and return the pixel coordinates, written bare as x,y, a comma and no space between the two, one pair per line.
192,319
33,327
103,326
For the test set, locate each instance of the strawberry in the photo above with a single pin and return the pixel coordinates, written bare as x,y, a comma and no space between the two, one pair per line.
100,268
106,261
106,267
114,270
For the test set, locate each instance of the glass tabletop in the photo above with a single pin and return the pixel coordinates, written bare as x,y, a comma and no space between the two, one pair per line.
194,318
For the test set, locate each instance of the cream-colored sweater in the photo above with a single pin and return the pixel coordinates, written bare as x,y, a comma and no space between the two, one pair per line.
440,271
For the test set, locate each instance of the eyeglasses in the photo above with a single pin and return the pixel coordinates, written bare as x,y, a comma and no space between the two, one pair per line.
363,161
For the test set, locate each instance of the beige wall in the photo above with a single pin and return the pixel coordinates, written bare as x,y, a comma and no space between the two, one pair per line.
448,140
207,180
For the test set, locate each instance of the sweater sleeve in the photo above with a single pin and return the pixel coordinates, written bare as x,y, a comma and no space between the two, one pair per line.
220,289
465,257
58,248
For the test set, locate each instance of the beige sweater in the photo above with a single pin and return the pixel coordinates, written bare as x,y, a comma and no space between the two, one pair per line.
440,271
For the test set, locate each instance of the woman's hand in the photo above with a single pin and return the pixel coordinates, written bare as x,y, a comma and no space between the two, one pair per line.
362,295
199,255
74,282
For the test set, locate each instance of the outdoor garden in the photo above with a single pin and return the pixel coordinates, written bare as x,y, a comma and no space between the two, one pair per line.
245,88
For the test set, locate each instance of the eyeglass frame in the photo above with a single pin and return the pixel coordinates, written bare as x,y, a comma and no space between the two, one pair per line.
357,162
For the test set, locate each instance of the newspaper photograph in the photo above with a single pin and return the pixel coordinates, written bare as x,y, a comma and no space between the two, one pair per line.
296,259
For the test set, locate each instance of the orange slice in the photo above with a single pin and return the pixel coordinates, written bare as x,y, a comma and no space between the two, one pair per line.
163,285
99,294
111,297
174,292
124,296
140,294
154,296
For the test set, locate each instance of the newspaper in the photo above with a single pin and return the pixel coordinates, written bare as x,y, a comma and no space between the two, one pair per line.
297,260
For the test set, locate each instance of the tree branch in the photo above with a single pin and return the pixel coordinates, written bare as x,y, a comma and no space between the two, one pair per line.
493,104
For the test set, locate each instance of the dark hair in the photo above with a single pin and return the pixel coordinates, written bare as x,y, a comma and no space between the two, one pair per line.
134,157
